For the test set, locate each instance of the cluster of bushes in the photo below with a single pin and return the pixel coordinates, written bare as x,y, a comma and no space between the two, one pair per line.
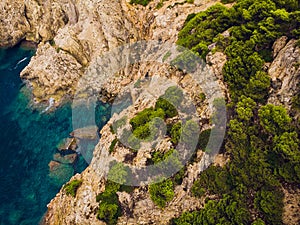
213,180
161,193
227,211
147,123
109,206
254,26
71,187
262,139
264,149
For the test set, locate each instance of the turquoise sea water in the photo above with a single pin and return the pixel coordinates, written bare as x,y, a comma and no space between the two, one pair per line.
28,141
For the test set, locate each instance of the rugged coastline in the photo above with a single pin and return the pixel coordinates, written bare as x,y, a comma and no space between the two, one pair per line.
71,35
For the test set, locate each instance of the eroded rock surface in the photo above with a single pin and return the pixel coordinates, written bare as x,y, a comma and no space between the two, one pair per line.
285,72
74,33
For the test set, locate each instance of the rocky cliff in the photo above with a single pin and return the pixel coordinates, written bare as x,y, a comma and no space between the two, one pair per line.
71,35
163,25
285,72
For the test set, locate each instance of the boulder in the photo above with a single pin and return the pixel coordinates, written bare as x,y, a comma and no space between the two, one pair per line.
66,158
68,144
90,132
285,73
53,165
60,173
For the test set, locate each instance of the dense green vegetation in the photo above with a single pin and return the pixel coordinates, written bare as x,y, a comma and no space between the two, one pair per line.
203,139
226,212
175,132
109,207
161,193
146,124
140,2
112,145
262,139
253,25
71,187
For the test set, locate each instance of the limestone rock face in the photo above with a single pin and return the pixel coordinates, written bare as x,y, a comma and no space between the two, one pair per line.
72,33
51,73
81,30
285,73
278,45
33,20
13,23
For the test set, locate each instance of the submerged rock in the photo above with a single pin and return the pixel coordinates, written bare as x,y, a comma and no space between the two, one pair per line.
90,132
53,165
71,158
68,144
60,173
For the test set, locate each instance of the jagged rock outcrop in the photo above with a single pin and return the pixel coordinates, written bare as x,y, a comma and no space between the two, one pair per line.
291,213
91,28
33,20
285,72
13,22
71,33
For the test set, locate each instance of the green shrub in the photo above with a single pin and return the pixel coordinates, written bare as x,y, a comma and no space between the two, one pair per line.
118,172
226,211
128,139
158,6
109,207
227,1
270,203
176,133
71,187
141,118
174,95
258,222
215,180
142,132
134,143
109,212
167,107
287,145
190,134
203,139
274,119
140,2
187,60
112,145
178,177
161,193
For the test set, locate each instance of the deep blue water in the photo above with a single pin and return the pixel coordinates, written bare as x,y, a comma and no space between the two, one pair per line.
28,141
